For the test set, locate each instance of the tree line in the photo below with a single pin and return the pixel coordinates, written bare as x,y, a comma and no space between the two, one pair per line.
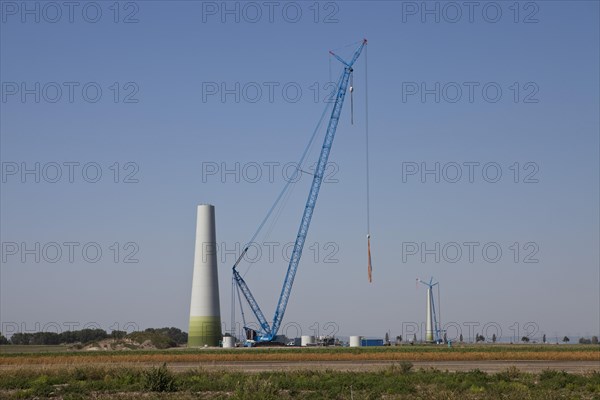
86,336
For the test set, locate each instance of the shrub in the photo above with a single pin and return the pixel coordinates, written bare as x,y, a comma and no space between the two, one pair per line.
158,379
3,340
158,340
556,379
509,374
405,367
41,386
256,387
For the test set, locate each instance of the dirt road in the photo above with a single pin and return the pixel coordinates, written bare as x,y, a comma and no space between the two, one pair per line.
356,366
487,366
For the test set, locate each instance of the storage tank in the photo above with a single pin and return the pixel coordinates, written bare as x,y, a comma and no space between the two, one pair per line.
307,340
228,342
355,341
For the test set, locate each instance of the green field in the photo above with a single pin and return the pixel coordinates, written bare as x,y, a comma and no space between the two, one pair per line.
427,348
18,348
400,381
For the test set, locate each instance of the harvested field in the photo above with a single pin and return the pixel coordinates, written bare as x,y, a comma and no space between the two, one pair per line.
405,353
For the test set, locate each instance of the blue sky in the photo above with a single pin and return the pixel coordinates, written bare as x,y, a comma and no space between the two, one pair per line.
159,118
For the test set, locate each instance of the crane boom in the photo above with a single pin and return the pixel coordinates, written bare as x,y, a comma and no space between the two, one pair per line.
314,190
268,333
251,301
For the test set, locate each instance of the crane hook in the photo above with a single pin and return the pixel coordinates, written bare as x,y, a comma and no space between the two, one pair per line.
351,98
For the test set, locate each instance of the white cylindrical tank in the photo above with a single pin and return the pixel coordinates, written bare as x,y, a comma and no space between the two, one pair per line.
205,311
355,341
228,342
307,340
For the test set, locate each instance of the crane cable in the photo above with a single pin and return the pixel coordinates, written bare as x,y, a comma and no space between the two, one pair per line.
236,290
370,266
241,307
232,306
284,192
289,181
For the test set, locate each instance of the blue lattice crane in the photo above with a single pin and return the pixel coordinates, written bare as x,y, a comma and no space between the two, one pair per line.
267,332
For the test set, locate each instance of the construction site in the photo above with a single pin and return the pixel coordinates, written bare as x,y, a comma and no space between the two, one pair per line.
300,200
205,316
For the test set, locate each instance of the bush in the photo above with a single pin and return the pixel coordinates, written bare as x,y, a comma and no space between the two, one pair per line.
41,387
158,380
175,334
405,367
256,387
509,374
158,340
556,379
3,340
21,338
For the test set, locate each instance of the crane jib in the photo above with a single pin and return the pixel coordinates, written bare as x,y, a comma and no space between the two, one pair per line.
268,332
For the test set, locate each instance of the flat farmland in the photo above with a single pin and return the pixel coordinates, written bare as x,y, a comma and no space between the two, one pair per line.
57,355
403,372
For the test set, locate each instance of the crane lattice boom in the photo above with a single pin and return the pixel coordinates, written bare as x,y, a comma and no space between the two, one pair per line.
268,332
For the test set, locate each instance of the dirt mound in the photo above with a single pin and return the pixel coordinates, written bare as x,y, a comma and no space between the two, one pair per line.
119,345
